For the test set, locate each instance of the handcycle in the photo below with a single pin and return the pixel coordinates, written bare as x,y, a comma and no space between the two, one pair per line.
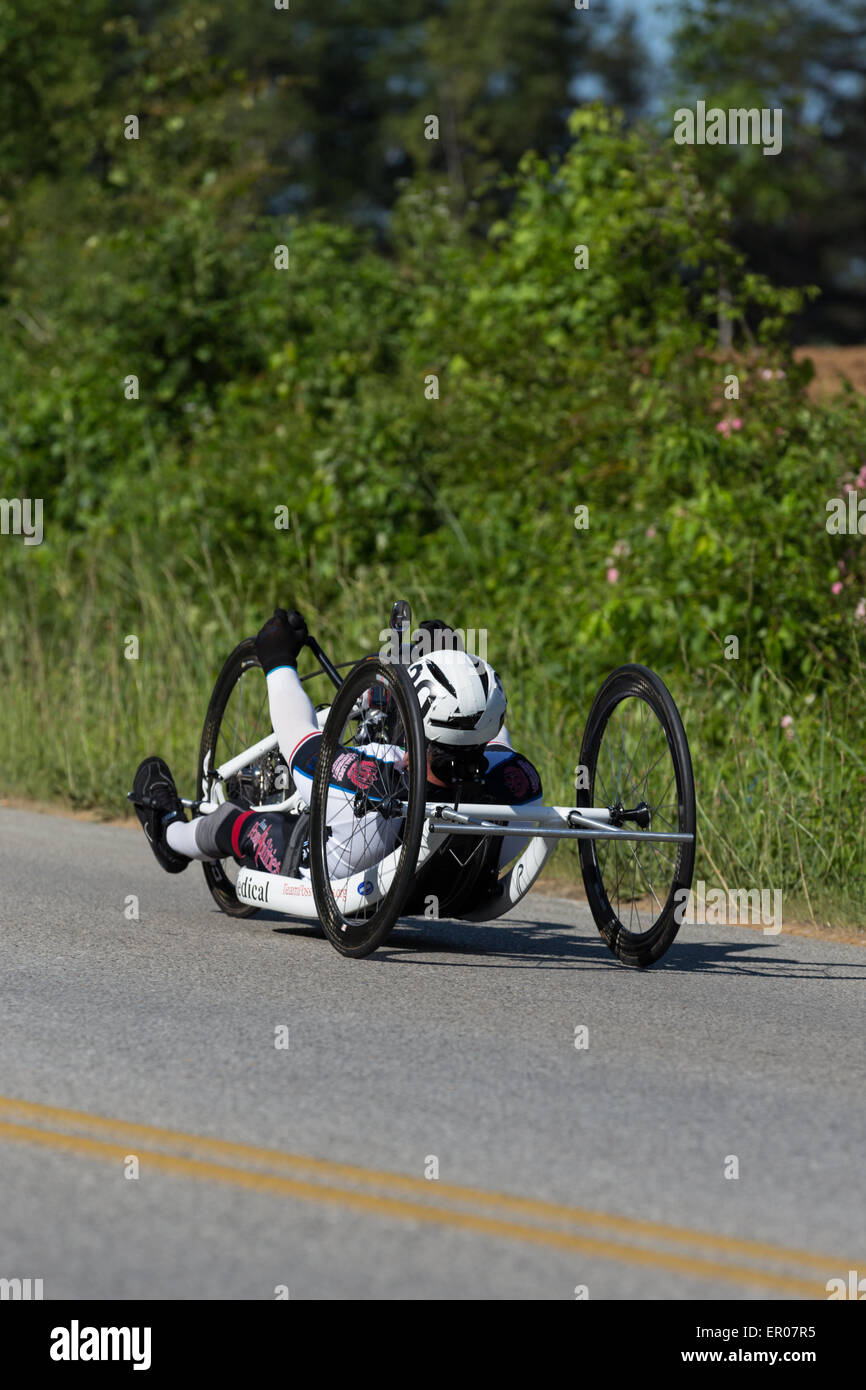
633,816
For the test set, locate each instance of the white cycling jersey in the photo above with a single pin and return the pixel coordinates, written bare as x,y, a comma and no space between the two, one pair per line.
358,842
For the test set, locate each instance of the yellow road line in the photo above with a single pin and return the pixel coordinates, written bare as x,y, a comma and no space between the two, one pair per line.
431,1192
415,1211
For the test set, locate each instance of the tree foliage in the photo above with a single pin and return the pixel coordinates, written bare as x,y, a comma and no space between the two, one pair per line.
800,215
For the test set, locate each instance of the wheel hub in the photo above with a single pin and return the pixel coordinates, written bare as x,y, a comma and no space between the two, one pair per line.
640,814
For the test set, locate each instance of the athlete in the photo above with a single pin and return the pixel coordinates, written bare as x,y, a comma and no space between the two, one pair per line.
463,704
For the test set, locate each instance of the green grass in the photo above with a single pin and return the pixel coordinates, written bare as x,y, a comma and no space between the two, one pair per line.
777,808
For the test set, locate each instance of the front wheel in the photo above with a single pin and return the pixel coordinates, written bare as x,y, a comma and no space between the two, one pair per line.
636,761
385,823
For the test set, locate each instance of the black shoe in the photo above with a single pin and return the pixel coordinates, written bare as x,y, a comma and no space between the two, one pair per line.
157,804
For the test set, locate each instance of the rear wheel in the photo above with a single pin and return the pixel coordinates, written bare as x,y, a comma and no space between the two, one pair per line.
637,758
237,717
389,808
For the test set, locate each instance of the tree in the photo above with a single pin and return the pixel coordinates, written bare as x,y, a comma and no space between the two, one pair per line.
801,215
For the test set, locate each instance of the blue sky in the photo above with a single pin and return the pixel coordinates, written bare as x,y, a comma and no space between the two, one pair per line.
655,23
655,20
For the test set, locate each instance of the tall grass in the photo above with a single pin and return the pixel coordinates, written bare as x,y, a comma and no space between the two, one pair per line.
781,806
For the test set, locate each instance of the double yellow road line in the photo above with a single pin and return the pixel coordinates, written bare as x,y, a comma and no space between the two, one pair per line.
654,1245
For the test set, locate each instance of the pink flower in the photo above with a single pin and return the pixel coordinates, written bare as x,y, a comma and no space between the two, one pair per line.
612,575
779,430
724,427
861,477
836,588
737,424
787,724
650,533
780,374
767,373
860,610
843,568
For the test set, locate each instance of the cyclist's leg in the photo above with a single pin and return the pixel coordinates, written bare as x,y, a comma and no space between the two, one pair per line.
206,837
261,840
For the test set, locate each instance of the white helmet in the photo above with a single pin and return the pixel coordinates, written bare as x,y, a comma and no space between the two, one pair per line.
461,697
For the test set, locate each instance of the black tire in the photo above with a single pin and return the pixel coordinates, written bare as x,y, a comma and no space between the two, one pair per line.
673,809
240,676
359,933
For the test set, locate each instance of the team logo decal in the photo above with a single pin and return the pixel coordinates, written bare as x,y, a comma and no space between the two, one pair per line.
516,780
264,852
252,891
362,773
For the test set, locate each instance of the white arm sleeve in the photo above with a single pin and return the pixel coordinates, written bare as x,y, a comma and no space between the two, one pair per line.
292,714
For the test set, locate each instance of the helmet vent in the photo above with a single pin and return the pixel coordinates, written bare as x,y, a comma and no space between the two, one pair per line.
441,677
457,721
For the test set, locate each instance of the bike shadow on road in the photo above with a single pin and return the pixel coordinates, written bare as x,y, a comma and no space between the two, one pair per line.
552,945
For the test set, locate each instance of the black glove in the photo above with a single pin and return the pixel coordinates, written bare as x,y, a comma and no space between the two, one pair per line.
438,636
281,639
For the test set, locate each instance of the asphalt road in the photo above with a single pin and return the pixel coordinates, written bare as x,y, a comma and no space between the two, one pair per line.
151,1043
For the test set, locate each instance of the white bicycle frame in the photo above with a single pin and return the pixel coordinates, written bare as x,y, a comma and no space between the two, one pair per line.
545,826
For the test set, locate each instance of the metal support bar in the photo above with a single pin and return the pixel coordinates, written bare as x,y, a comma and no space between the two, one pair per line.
325,662
542,832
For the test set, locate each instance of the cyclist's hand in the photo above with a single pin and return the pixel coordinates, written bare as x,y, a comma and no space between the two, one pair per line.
280,640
